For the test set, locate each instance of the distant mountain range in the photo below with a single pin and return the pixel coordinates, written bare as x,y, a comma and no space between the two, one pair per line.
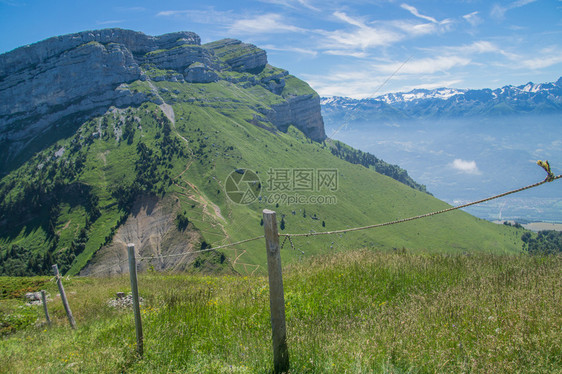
463,144
543,98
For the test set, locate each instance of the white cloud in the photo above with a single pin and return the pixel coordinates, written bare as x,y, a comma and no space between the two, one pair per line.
269,23
356,84
365,81
473,19
338,52
468,167
364,35
479,46
424,65
415,12
415,29
168,13
130,9
379,34
209,16
542,62
362,38
292,3
498,11
436,84
110,22
352,21
303,51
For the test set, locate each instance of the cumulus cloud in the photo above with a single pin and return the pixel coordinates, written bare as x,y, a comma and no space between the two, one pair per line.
463,166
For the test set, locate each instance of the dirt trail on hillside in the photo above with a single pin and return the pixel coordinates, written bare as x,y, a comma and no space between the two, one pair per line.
168,110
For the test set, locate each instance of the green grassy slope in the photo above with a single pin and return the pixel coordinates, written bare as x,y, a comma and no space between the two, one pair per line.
354,312
85,183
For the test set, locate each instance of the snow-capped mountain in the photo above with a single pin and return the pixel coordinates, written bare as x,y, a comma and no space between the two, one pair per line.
420,94
464,144
449,102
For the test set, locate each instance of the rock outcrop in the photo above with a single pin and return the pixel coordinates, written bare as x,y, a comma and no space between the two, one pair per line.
302,112
64,80
152,229
239,56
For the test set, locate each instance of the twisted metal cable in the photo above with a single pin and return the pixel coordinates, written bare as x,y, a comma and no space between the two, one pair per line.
202,250
548,179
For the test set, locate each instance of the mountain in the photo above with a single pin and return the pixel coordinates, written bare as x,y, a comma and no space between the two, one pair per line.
528,99
49,87
112,137
464,144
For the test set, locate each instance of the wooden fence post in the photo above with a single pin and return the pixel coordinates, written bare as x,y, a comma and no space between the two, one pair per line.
276,297
135,292
44,301
63,297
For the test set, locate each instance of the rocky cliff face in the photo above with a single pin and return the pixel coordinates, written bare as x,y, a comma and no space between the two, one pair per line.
152,229
63,80
297,110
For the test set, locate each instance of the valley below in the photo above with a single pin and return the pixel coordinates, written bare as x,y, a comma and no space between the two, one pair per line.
466,159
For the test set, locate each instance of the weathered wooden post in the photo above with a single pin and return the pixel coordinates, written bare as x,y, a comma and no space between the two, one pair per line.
44,301
63,297
135,292
276,297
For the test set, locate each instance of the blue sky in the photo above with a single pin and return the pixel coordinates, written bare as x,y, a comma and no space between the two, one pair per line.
356,48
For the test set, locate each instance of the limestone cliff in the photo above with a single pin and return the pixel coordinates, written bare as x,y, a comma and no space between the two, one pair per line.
56,83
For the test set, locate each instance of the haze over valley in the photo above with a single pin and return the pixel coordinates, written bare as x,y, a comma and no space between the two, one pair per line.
464,145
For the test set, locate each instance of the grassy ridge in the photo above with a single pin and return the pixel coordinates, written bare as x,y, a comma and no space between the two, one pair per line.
219,127
354,312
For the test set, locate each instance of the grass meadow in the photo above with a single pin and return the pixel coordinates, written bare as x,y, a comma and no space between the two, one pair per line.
353,312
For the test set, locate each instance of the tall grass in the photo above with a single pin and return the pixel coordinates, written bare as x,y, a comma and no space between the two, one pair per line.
355,312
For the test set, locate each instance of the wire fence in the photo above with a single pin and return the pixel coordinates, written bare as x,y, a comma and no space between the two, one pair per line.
549,179
288,237
156,257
